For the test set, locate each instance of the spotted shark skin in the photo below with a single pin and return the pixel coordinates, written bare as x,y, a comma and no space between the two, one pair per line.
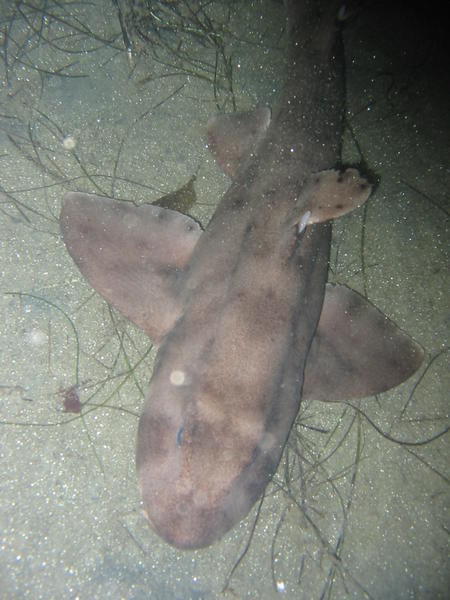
246,323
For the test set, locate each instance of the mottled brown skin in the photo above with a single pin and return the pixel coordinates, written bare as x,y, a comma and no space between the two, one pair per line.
239,309
253,295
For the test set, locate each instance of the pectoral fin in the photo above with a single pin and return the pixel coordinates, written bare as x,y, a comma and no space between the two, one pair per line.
132,255
357,351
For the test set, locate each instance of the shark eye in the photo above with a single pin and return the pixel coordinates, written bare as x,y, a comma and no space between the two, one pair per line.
180,436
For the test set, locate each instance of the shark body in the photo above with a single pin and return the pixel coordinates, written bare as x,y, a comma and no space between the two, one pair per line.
246,323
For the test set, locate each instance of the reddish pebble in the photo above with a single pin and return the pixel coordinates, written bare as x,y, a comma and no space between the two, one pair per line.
71,400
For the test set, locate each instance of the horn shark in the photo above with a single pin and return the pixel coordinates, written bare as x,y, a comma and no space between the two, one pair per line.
246,323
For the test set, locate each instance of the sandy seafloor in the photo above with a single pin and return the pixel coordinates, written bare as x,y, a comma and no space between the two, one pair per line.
368,517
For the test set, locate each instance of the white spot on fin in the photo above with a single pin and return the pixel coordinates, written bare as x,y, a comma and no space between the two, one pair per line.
304,221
